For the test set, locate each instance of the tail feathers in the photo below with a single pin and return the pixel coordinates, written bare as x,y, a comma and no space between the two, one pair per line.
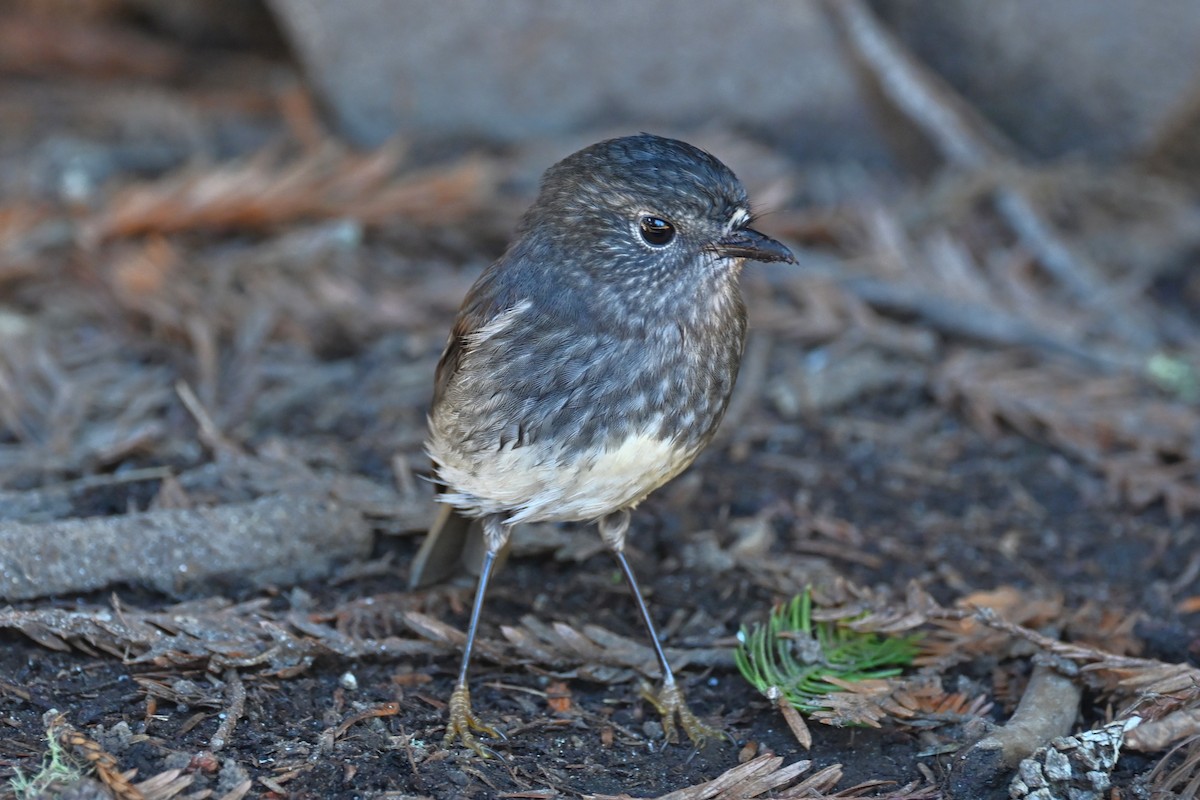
454,545
441,554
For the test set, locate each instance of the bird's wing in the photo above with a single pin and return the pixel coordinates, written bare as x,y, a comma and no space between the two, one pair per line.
484,315
455,542
456,347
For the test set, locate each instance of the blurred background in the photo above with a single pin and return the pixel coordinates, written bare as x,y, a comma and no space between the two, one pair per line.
233,234
1074,78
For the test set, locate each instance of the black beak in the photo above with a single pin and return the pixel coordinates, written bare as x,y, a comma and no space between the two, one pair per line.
749,243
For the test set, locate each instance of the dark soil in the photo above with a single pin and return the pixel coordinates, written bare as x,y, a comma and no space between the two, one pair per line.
915,491
946,534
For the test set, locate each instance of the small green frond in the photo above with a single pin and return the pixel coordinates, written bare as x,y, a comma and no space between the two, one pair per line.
56,770
792,656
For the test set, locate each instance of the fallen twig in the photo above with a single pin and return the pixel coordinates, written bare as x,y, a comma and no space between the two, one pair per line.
236,692
1047,710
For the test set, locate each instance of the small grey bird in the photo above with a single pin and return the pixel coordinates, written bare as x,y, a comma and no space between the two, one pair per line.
590,365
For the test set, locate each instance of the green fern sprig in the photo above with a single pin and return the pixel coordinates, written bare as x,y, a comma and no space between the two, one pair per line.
791,656
57,772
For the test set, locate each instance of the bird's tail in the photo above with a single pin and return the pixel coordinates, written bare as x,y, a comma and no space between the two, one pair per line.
453,545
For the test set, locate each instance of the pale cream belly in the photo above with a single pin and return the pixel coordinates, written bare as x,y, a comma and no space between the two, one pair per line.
530,484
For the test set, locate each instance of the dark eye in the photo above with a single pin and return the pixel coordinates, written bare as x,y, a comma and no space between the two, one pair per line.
656,231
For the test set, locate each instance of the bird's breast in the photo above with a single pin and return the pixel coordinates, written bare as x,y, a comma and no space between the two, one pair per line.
563,424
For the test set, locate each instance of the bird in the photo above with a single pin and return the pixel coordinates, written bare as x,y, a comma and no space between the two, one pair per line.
588,366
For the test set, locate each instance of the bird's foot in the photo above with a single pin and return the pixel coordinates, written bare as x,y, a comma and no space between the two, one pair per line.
670,704
463,722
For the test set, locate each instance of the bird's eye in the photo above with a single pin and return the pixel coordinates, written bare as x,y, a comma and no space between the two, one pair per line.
656,231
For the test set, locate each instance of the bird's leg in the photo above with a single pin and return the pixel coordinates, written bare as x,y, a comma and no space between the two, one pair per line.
462,720
668,700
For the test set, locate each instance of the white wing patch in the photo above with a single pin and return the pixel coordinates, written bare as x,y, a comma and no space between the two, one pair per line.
501,322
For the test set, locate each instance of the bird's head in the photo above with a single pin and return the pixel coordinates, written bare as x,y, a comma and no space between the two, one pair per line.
646,216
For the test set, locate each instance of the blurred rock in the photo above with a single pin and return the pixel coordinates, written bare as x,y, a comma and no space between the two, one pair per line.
1075,76
279,539
527,68
1072,76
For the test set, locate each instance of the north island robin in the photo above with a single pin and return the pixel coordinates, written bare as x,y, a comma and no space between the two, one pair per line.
589,365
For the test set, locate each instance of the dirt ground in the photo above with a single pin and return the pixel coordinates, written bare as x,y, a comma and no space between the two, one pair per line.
206,301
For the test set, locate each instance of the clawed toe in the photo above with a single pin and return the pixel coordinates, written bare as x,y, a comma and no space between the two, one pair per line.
669,703
463,723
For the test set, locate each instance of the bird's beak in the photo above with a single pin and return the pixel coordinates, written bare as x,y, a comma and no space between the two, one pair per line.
749,243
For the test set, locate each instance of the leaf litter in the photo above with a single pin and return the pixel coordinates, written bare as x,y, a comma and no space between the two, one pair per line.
961,387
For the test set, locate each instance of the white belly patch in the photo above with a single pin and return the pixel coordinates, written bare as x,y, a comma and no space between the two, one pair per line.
532,484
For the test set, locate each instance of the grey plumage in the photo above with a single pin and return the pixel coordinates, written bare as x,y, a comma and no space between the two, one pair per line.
582,336
591,364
